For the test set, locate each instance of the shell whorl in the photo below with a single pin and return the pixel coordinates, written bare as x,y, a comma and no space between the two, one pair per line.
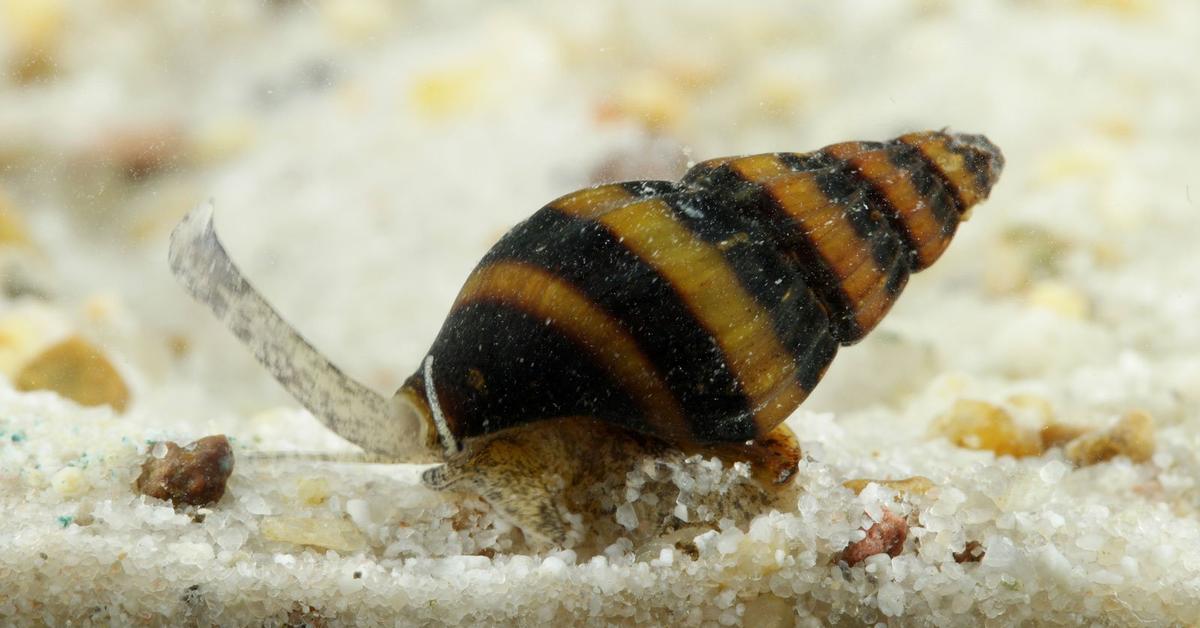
705,310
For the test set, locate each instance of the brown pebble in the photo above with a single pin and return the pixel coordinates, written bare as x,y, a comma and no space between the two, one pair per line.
1132,436
1059,434
972,553
195,474
886,536
78,370
141,152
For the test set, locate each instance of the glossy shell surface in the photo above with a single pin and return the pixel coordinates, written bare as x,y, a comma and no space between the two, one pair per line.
705,310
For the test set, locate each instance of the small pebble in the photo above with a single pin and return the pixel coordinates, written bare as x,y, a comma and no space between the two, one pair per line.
338,535
194,475
1059,434
69,482
78,370
973,424
887,536
1132,436
972,553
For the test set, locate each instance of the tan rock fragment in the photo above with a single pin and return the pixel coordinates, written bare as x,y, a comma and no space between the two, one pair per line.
339,535
1132,436
981,425
1059,434
77,370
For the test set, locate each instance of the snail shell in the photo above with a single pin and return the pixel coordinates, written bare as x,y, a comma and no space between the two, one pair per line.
637,317
702,311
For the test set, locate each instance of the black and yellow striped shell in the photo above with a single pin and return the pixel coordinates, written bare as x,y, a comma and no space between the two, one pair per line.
702,311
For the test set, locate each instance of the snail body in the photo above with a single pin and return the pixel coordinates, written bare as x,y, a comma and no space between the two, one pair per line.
626,318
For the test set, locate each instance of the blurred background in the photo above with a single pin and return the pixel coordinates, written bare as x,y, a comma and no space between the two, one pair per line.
363,154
